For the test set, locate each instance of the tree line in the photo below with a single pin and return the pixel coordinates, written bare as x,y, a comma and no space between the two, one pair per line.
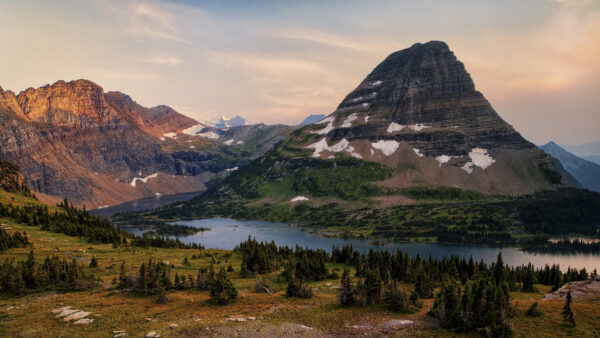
72,221
18,277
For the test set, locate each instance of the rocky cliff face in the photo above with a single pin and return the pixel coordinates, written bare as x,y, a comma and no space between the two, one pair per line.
73,140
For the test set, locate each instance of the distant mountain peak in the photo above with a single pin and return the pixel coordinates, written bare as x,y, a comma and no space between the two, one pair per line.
223,122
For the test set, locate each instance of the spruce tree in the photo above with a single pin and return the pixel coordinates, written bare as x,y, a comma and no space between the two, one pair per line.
346,295
222,290
567,313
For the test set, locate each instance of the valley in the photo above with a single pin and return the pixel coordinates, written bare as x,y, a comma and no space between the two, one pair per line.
326,169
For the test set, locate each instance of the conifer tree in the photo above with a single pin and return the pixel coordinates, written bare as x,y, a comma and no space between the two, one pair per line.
346,295
222,290
567,312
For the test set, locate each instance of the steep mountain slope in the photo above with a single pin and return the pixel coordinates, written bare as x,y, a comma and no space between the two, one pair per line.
415,121
73,140
585,172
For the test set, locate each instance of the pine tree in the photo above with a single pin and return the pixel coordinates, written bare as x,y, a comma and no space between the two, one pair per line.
94,262
346,295
297,288
499,271
222,290
529,279
567,313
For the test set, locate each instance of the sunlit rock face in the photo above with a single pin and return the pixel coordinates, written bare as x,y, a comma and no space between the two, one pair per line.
73,140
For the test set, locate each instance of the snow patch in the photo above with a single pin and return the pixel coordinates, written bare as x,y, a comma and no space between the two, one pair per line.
325,120
192,147
193,130
231,169
444,159
299,199
329,127
387,147
343,145
143,179
228,142
357,99
209,134
348,121
367,118
240,142
171,135
393,127
376,83
365,105
479,157
418,152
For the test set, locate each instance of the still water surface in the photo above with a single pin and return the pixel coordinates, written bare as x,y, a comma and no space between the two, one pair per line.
226,233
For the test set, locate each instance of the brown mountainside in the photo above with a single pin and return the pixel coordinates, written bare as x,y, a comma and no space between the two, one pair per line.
73,140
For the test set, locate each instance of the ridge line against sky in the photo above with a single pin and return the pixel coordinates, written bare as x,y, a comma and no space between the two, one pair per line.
273,61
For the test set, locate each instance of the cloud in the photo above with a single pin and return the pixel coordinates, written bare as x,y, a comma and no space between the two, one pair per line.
322,38
173,61
268,64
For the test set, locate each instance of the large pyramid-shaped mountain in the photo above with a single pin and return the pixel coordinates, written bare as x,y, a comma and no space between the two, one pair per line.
415,121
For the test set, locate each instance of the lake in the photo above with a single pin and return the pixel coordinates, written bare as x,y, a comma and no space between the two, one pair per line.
226,233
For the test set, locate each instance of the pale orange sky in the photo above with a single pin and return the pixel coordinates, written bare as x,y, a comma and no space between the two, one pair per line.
537,61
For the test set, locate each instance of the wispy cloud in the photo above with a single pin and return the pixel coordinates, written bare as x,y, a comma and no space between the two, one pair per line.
171,60
322,38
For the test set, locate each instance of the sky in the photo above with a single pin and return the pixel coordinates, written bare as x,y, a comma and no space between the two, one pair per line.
278,61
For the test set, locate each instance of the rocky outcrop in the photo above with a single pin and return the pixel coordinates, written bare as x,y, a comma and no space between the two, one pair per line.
11,179
579,290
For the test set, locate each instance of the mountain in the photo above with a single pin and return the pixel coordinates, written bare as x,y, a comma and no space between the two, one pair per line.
312,119
586,149
586,172
222,122
73,140
414,128
594,159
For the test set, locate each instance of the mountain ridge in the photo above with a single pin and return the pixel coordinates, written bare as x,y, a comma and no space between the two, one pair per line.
73,140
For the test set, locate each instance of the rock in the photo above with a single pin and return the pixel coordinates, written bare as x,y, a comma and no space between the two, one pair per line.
152,334
579,290
66,312
251,318
77,315
119,331
148,319
239,319
84,321
173,326
122,334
